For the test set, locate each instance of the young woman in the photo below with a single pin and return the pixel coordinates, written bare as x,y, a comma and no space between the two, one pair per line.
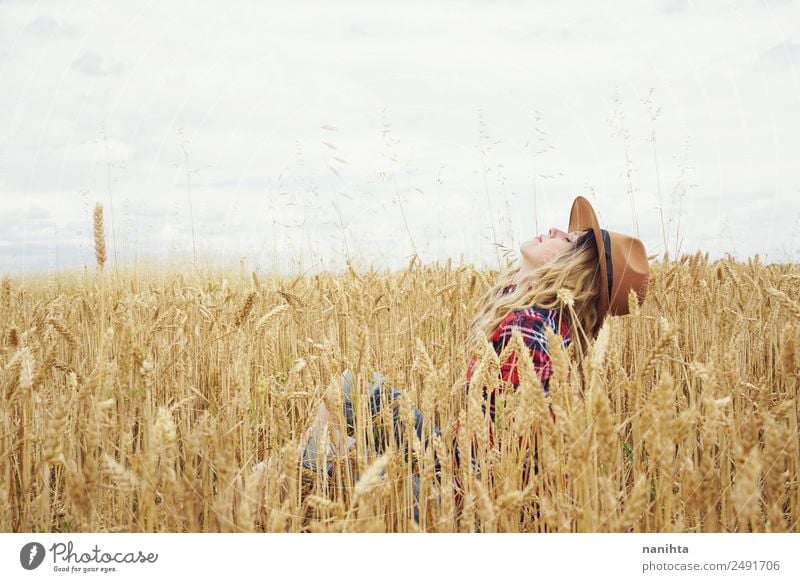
597,268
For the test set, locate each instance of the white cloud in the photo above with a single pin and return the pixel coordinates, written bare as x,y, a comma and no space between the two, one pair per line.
95,64
43,25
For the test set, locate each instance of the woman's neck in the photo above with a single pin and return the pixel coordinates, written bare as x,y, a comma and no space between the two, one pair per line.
523,272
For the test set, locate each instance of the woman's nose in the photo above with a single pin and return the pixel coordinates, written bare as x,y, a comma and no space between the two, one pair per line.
553,232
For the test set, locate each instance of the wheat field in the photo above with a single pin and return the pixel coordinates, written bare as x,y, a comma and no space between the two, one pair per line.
143,400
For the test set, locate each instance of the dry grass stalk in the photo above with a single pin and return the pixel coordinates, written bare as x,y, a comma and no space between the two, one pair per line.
371,478
271,316
65,332
99,237
791,306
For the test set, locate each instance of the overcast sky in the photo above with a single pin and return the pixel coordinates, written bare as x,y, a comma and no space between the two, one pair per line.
301,131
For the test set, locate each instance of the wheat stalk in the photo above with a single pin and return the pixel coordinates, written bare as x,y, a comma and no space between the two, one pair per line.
99,237
791,306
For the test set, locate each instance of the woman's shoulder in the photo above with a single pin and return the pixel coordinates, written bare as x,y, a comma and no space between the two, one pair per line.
532,321
540,316
534,316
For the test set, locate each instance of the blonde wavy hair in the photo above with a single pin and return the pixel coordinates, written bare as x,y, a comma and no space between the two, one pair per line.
575,270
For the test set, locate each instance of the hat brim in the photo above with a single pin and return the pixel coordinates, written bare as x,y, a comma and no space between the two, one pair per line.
583,217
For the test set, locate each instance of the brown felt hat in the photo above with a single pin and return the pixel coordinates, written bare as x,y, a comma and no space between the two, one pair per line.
623,261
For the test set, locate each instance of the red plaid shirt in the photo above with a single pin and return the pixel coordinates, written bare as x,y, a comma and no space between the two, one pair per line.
531,323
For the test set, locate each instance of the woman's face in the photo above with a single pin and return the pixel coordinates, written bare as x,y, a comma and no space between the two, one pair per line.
542,249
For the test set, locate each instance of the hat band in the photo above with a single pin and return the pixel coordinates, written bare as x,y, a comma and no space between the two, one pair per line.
607,249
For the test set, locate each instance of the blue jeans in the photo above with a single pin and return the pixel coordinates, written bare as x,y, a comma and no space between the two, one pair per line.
378,398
